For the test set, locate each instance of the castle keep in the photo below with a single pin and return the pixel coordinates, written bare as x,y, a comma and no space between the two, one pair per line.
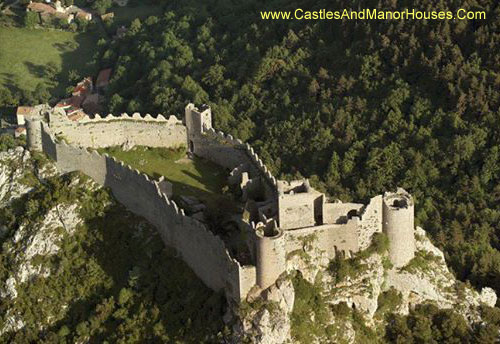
279,217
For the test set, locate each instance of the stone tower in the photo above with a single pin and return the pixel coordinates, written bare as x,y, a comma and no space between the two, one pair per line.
197,121
271,254
398,224
34,133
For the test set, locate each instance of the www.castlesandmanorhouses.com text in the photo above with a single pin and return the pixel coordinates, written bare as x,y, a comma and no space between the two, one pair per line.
372,14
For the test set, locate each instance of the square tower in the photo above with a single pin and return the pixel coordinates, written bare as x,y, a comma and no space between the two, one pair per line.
198,120
299,205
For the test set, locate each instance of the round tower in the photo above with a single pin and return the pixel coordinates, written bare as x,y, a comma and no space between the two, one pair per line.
34,133
398,224
271,254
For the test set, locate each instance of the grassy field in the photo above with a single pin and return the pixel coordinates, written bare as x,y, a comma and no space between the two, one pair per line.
25,52
198,177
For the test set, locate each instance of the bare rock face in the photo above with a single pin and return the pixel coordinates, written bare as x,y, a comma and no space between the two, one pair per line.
272,328
488,297
360,291
301,262
431,280
282,293
424,279
18,176
41,240
269,323
14,166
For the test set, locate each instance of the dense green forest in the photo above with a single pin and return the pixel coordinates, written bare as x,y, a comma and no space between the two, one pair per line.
360,107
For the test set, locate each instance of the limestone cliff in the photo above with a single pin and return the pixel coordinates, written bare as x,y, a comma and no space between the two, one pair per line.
22,250
355,286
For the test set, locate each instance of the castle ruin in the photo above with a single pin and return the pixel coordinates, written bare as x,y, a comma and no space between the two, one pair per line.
280,216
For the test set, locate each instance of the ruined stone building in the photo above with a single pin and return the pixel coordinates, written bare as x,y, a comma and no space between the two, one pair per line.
279,217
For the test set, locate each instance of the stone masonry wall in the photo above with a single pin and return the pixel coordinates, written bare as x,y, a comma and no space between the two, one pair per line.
371,222
327,238
204,252
117,130
229,152
297,210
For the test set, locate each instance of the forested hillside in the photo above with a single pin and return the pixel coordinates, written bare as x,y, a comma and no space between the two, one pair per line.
77,267
360,107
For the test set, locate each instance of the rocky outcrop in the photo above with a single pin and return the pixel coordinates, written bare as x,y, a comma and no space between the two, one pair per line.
269,322
19,175
15,165
425,279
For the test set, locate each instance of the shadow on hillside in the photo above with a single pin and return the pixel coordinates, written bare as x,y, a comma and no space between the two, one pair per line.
133,255
38,71
10,83
68,46
76,54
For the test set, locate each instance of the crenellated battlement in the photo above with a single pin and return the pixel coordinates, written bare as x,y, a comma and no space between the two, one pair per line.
124,129
210,259
126,117
280,214
254,157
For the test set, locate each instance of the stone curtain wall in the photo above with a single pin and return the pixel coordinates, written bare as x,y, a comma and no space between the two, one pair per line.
327,238
229,152
204,252
371,222
297,210
117,130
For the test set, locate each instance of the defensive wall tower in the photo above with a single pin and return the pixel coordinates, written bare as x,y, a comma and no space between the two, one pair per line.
398,224
34,133
197,121
299,205
271,253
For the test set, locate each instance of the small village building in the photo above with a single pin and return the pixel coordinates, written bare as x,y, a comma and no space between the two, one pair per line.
40,7
107,16
22,112
79,13
76,115
48,12
84,87
56,10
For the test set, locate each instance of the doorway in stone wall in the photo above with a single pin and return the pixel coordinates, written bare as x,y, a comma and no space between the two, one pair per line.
191,146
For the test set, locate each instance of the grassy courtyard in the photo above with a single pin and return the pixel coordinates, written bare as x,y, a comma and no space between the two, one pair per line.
24,53
190,177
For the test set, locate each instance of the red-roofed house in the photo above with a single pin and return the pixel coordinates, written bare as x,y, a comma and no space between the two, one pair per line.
84,87
22,112
40,7
47,11
83,14
63,104
76,116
